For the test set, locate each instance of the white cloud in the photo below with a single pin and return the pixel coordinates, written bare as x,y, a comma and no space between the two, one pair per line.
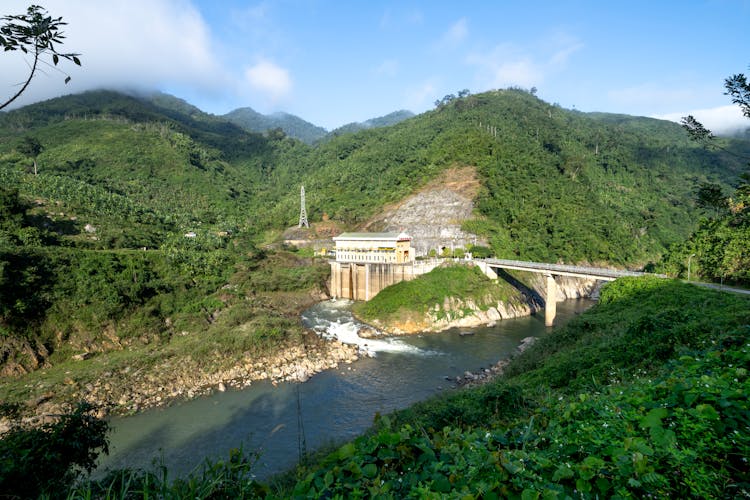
270,79
123,44
504,66
421,97
723,119
508,64
401,18
561,57
456,34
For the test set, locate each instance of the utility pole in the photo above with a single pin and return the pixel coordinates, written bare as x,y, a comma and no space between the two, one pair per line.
303,210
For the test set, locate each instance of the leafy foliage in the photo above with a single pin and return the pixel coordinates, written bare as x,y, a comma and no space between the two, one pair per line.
37,34
48,459
669,426
721,244
290,125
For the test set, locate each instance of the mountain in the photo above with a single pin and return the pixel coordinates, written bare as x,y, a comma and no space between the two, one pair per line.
292,125
555,184
382,121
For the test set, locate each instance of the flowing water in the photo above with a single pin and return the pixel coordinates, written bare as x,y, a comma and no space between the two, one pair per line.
331,407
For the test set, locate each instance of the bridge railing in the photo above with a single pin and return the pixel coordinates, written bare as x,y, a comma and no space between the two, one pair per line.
564,268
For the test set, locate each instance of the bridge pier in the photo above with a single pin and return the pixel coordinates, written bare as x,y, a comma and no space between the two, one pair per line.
550,305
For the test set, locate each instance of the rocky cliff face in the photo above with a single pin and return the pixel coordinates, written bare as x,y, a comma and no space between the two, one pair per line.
433,216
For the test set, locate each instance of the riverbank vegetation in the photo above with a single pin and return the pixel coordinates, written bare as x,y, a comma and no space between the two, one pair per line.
644,394
433,292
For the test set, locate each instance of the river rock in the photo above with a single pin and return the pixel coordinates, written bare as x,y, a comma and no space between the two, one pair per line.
367,332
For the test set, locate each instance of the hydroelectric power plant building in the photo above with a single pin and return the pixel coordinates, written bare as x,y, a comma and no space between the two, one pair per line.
389,248
368,262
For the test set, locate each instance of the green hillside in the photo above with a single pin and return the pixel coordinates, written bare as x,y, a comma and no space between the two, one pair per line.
381,121
123,172
291,125
558,184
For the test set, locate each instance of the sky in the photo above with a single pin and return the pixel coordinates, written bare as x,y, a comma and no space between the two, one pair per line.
337,62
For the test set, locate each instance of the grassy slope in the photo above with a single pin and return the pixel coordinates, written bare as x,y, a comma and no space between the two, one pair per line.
431,289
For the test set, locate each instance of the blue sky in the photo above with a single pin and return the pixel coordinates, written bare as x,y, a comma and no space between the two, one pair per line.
334,62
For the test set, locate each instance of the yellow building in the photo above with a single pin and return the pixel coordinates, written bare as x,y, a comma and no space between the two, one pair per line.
381,248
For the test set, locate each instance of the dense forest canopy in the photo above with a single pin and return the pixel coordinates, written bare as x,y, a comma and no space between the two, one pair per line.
558,184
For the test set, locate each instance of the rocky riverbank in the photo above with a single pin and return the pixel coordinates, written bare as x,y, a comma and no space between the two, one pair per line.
128,390
484,375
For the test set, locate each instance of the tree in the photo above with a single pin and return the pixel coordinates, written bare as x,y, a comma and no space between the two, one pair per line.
738,88
31,147
48,459
710,196
38,34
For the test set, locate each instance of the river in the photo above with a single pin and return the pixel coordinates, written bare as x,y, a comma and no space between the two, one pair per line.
331,407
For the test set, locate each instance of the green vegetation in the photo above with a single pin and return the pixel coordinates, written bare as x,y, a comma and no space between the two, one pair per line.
666,419
279,124
48,459
122,173
381,121
432,289
718,250
578,414
139,240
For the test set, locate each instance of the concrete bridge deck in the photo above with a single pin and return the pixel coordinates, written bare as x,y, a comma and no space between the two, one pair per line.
363,280
597,273
552,270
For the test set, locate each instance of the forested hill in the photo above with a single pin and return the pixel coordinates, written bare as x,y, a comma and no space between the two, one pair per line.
381,121
557,184
292,125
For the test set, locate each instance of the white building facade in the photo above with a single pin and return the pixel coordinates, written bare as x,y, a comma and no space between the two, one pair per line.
378,248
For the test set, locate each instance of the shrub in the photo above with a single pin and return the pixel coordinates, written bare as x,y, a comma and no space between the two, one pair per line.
44,460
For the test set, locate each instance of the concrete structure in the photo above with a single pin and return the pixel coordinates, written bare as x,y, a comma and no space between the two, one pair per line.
363,281
368,262
552,270
377,248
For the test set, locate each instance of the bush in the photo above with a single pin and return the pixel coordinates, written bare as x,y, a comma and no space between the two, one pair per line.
48,459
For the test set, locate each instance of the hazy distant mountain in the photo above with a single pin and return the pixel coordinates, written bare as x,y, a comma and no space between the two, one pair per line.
292,125
382,121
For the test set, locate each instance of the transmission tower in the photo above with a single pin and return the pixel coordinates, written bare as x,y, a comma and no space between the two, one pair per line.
302,210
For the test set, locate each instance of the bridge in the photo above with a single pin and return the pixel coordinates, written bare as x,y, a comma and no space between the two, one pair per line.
552,270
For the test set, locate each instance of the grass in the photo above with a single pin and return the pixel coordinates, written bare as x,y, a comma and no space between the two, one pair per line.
431,289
